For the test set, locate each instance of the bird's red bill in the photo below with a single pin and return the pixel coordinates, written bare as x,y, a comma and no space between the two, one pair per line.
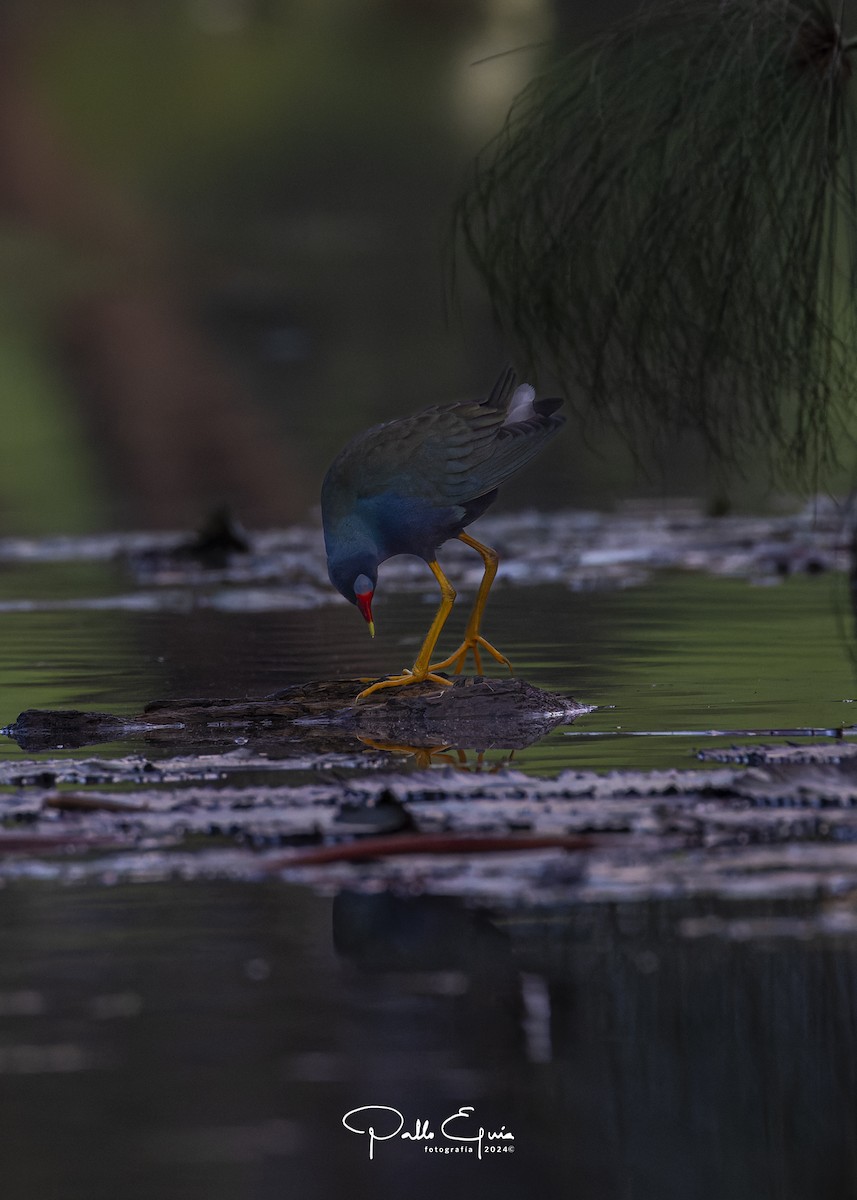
364,603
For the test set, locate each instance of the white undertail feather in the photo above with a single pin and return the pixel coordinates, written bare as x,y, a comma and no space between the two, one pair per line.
521,405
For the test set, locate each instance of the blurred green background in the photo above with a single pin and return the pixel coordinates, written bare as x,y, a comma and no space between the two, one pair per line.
224,248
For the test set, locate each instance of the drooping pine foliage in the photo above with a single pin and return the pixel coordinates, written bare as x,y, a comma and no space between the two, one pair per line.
669,219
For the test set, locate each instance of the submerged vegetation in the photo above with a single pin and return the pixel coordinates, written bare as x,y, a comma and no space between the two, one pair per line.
669,219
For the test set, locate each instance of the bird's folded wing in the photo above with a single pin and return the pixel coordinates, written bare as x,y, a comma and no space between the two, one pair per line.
454,453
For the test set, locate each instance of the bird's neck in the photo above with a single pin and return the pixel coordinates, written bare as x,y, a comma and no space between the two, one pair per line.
351,551
349,537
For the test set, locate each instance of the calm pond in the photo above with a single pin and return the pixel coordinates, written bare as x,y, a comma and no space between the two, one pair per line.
205,1037
221,257
667,665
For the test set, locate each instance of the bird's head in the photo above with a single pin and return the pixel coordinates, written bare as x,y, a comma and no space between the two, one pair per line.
355,578
364,590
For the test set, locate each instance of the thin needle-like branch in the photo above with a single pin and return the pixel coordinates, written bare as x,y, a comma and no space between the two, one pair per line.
669,220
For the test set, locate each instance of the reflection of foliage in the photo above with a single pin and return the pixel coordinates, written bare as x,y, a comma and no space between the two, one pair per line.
669,217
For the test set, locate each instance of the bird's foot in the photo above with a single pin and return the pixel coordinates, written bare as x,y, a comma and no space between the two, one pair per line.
472,643
406,677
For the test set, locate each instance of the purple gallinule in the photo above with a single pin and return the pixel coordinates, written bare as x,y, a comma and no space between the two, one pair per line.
408,486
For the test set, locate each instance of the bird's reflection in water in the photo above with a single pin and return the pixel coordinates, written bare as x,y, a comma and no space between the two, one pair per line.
443,755
424,756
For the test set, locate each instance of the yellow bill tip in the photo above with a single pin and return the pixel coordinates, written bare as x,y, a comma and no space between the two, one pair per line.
371,628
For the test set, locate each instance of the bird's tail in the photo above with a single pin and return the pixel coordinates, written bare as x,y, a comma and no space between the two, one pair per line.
502,390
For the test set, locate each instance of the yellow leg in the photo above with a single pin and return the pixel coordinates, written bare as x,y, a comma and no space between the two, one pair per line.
421,669
472,637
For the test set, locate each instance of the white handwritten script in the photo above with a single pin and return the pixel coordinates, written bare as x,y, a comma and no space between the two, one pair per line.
459,1132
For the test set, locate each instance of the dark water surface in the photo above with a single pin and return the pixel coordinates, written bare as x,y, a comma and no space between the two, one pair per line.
667,664
205,1039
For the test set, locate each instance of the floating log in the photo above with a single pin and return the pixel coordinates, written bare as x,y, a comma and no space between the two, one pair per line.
476,714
